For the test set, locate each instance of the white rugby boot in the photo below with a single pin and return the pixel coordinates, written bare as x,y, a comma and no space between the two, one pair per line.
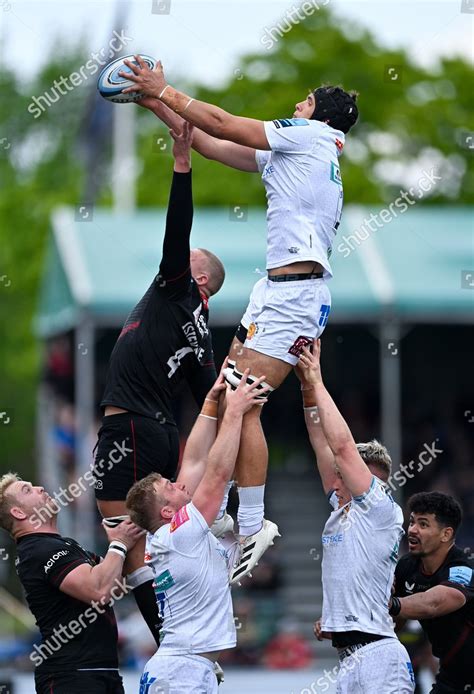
251,549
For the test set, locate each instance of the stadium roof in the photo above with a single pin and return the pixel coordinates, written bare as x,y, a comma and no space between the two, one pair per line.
417,266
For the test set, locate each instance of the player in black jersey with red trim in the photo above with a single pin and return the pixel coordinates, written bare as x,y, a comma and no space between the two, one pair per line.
69,590
164,341
434,583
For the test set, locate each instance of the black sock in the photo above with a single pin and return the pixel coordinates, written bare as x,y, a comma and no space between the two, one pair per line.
146,602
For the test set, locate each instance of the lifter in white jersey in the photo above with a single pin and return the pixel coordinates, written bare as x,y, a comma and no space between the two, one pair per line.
191,567
360,546
298,160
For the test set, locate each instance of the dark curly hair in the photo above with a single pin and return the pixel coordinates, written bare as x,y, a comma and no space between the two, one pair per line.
446,510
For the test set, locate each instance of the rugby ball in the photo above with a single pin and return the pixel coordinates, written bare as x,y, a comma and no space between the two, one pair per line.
110,83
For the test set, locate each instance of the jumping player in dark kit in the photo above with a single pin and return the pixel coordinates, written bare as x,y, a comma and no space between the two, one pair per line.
165,341
434,583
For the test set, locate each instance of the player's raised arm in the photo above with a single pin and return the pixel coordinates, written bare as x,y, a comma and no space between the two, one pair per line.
354,471
228,153
201,438
212,119
223,454
175,266
307,372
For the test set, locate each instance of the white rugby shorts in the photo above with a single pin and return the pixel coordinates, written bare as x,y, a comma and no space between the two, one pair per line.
380,667
178,674
283,317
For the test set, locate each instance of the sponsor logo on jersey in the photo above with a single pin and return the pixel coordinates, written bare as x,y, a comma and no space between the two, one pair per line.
98,484
329,540
268,170
409,587
335,174
460,574
163,582
178,519
288,122
147,557
294,249
296,348
54,558
351,618
339,144
253,328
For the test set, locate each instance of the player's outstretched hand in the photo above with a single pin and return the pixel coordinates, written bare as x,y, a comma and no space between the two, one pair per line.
246,395
182,142
308,369
150,82
126,532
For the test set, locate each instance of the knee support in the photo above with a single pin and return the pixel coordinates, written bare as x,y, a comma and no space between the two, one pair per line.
233,377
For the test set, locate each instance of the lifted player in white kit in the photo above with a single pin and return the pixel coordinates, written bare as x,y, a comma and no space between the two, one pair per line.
191,566
297,158
360,546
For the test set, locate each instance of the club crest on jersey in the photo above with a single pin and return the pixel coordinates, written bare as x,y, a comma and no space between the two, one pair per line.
339,144
179,518
253,329
297,347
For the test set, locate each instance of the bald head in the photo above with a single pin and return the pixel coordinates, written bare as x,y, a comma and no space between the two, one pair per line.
207,270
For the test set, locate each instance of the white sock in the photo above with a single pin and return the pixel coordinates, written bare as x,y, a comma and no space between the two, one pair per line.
223,507
251,509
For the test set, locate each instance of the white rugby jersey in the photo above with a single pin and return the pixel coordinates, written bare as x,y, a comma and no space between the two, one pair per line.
304,190
191,585
360,550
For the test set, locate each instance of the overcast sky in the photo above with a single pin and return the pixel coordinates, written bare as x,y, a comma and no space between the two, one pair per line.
204,39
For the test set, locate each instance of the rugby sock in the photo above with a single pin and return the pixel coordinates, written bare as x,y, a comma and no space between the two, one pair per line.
251,509
141,582
223,507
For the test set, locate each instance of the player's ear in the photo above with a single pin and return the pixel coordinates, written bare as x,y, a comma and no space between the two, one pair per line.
447,535
18,513
167,512
201,278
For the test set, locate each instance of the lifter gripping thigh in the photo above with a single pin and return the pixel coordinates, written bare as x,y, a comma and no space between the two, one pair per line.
135,556
252,460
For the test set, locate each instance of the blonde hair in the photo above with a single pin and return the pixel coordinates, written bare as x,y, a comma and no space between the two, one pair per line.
6,501
142,499
374,453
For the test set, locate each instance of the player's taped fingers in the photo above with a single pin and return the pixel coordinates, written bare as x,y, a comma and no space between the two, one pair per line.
234,377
